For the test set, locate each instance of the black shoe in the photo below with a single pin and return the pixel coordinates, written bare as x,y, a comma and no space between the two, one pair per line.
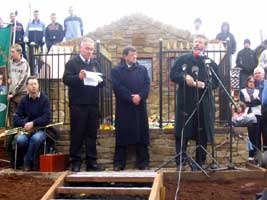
143,167
118,168
76,168
195,167
94,167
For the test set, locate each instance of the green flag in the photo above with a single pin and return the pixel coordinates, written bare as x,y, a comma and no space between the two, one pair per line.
4,57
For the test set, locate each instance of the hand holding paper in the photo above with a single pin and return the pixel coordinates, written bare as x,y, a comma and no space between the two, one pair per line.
92,78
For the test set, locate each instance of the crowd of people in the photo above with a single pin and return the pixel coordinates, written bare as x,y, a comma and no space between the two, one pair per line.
195,115
37,33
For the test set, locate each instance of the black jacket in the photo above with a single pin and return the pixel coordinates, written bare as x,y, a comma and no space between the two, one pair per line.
247,60
38,111
53,34
80,94
19,33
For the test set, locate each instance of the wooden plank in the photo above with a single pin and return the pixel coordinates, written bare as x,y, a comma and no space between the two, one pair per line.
157,191
104,190
127,177
218,175
59,182
254,167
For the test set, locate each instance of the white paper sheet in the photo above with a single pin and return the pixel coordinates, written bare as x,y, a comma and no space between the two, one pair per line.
92,78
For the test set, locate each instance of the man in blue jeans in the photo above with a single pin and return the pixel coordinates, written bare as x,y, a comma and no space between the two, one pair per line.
32,112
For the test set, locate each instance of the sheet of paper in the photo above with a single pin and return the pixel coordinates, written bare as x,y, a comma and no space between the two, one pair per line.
92,78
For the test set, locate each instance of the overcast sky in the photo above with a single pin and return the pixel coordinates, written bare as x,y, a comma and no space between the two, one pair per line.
246,19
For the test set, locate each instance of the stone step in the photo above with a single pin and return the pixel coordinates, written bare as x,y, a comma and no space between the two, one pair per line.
104,190
112,177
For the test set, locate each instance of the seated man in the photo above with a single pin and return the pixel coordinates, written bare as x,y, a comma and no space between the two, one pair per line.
32,112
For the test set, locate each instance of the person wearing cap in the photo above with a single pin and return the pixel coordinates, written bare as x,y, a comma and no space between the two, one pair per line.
247,61
73,26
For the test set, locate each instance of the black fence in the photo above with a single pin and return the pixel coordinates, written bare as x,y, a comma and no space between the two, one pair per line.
49,67
167,89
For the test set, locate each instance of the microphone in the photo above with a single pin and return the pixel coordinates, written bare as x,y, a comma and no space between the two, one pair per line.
184,66
198,54
195,70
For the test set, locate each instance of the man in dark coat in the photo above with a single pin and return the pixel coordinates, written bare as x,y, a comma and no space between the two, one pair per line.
246,60
131,87
226,36
196,81
84,106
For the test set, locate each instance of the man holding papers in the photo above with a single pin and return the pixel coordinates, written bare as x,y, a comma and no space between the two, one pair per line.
83,81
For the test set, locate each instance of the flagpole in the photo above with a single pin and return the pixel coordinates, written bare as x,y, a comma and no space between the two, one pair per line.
15,28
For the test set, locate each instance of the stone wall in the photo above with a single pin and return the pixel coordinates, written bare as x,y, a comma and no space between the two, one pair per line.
144,33
162,147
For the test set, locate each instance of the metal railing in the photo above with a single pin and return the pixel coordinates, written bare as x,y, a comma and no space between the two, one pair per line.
167,89
49,68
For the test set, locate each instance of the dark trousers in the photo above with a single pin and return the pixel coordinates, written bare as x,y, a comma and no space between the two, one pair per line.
142,155
263,132
84,125
254,135
201,145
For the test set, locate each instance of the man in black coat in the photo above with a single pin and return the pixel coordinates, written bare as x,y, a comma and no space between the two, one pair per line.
33,111
246,60
84,108
196,81
131,86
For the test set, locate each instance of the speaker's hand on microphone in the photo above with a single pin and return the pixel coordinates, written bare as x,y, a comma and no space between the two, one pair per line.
190,81
200,84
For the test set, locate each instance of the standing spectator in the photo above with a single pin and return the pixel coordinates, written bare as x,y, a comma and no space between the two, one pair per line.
19,33
260,85
2,83
263,60
54,32
226,36
251,97
1,23
33,111
198,27
84,107
35,32
246,60
190,72
73,26
131,86
19,71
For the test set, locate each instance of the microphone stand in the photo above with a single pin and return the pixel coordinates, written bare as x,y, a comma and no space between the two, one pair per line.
231,165
214,164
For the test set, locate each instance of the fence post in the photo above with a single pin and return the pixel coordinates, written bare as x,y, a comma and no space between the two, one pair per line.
160,82
31,59
101,95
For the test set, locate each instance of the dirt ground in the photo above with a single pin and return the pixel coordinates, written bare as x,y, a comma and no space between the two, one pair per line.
23,187
239,189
